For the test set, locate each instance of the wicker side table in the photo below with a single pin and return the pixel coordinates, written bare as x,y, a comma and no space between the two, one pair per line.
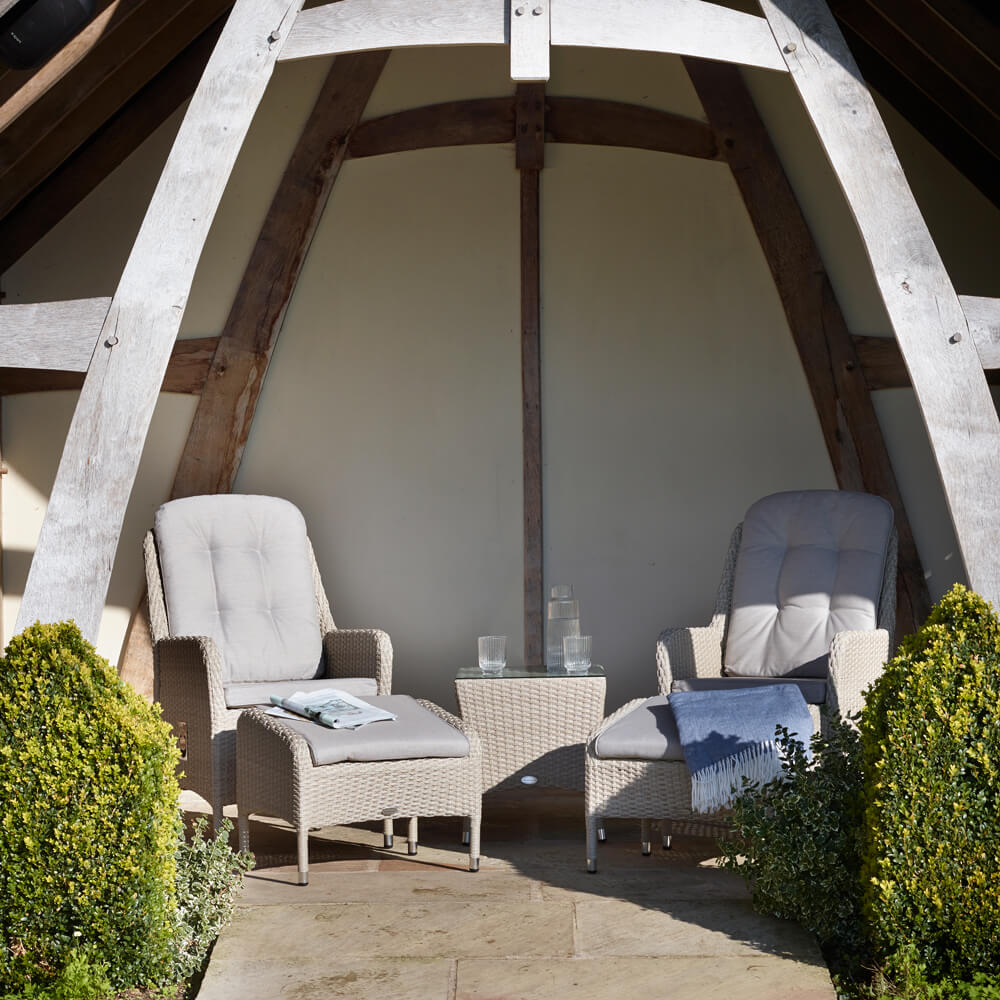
532,723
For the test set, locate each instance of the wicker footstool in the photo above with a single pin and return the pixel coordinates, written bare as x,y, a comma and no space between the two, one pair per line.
425,763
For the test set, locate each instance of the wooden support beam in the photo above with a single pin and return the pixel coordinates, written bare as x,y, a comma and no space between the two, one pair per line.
529,40
924,310
72,564
221,426
453,123
530,158
104,150
55,336
611,123
683,27
218,435
89,80
832,368
364,25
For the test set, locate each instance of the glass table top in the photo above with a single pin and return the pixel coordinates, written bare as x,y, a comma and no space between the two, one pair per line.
470,673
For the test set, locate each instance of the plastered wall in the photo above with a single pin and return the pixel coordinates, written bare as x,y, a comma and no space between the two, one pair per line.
672,393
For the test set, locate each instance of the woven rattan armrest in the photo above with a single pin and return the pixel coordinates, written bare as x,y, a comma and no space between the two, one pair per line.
689,653
188,678
856,661
359,652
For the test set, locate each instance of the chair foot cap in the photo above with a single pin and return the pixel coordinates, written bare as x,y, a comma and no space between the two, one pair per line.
303,878
474,865
601,835
591,866
647,849
411,848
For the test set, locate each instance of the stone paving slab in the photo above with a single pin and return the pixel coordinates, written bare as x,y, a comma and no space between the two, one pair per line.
655,885
648,978
619,927
270,888
332,979
401,930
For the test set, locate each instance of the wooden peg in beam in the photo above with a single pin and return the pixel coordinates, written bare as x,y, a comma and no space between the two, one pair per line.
529,40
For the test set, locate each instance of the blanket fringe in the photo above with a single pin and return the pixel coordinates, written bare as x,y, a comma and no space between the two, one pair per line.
712,787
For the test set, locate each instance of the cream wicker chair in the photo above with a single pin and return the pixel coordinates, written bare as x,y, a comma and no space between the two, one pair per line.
237,612
808,596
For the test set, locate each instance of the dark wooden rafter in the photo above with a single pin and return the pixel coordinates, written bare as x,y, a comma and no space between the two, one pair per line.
89,80
107,147
529,151
221,426
830,361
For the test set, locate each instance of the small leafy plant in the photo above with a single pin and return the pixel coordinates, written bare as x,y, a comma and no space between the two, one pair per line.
797,838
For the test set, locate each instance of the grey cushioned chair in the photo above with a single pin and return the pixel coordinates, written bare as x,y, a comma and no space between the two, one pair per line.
808,597
238,612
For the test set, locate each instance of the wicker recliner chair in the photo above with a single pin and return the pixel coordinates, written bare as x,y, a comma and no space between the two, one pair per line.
238,612
808,596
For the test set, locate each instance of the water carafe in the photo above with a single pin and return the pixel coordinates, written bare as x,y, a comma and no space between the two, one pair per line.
563,619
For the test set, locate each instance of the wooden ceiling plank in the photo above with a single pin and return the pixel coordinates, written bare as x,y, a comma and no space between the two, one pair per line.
981,31
108,147
365,25
71,567
979,119
25,164
58,336
847,417
952,141
683,27
221,425
921,303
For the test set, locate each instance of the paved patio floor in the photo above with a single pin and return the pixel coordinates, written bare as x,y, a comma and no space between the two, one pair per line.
530,925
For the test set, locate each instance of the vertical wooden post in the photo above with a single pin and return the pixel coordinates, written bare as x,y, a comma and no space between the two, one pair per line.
530,152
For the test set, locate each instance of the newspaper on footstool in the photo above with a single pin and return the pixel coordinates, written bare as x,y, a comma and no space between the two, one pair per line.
329,707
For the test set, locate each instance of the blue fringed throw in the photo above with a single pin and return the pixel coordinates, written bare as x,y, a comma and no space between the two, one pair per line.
729,735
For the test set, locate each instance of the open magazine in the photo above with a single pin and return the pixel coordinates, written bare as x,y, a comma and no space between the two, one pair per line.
329,707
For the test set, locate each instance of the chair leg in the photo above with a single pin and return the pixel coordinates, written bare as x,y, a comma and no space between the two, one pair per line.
667,839
387,832
592,837
243,823
474,822
646,845
303,851
465,831
411,836
602,835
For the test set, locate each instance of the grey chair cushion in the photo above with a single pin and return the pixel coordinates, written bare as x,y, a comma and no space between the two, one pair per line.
259,692
813,689
417,732
810,565
237,568
648,732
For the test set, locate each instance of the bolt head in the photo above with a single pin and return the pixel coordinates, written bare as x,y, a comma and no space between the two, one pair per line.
790,47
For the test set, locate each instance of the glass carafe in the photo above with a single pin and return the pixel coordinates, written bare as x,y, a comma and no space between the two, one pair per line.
563,619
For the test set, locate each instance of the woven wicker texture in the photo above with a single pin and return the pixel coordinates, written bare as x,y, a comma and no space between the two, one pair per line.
662,789
276,777
188,684
532,727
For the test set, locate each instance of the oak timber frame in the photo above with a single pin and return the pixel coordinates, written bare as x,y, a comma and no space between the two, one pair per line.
945,342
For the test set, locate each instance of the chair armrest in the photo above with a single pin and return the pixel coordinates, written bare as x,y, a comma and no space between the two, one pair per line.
689,652
856,661
188,681
359,652
611,719
475,747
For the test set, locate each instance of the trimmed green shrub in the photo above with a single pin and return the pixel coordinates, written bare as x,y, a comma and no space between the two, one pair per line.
209,877
88,816
798,839
931,749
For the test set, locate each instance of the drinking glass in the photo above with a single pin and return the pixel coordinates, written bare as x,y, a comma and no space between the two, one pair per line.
576,653
492,653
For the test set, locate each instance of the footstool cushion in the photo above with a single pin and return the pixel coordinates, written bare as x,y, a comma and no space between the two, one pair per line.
415,733
648,732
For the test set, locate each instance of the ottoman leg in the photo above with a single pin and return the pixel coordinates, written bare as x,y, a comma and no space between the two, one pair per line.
303,838
646,847
387,832
243,822
474,822
592,836
411,836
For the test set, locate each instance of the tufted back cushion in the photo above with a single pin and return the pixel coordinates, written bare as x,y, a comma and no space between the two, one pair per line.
810,564
238,569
